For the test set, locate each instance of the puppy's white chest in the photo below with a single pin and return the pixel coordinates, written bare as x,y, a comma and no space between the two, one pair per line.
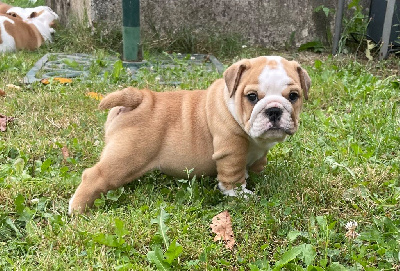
257,150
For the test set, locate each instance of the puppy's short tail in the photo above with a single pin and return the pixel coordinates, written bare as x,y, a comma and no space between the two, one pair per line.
128,97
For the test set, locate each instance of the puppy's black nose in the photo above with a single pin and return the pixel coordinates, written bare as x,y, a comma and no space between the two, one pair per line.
274,114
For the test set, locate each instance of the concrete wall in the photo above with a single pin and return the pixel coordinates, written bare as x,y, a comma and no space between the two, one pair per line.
68,9
270,23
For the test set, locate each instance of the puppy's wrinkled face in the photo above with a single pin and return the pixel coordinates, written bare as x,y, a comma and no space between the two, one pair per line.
266,96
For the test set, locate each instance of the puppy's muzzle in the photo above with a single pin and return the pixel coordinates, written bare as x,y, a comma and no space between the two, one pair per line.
274,114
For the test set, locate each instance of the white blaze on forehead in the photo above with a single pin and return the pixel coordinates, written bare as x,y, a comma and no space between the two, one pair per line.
273,79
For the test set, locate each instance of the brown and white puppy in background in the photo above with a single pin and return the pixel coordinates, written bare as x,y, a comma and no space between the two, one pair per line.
4,7
225,130
26,28
44,14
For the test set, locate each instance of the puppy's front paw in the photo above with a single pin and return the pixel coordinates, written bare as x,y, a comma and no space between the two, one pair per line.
73,207
246,192
239,191
70,209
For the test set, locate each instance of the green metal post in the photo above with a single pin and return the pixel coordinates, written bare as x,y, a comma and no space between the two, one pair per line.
131,29
387,28
338,27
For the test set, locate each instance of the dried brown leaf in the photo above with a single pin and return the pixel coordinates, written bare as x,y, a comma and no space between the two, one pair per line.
45,81
63,80
2,93
3,122
60,80
65,152
94,95
222,226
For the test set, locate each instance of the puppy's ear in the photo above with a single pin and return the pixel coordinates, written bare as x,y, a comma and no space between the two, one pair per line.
233,74
305,81
33,15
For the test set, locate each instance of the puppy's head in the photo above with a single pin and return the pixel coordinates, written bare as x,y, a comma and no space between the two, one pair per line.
42,14
265,96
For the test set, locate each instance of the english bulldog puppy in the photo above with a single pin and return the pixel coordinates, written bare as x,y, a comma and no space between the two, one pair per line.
223,131
4,7
28,13
17,33
43,14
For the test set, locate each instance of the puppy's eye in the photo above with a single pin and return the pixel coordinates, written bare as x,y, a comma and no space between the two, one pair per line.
33,15
293,97
253,98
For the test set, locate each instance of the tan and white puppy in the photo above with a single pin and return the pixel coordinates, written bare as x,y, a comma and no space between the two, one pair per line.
4,7
17,33
43,14
225,130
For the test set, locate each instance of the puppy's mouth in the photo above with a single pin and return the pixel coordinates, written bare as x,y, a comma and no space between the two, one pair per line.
278,120
285,130
277,132
273,123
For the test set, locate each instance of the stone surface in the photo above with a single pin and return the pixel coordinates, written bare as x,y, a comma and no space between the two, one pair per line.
68,10
270,23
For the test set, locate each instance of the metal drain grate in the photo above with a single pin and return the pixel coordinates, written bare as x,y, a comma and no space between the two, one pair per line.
80,66
66,65
169,67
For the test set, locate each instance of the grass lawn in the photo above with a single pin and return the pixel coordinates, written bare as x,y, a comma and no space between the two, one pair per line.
341,166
